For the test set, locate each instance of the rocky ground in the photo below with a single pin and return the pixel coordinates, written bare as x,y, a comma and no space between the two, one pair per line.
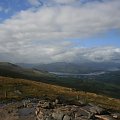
54,110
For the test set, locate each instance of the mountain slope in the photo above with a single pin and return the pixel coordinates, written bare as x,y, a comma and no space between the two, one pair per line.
11,88
86,67
12,70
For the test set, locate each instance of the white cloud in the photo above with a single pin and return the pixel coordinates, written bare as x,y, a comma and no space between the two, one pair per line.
43,35
57,52
98,54
64,22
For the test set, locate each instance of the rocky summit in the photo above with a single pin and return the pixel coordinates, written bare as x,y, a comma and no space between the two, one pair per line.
46,110
54,110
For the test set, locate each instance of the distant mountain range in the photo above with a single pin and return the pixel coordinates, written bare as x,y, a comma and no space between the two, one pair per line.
64,67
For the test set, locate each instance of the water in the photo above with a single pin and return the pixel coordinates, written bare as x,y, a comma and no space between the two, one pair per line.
73,74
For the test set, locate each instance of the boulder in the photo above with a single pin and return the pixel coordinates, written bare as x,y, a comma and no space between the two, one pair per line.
66,117
58,115
47,105
97,110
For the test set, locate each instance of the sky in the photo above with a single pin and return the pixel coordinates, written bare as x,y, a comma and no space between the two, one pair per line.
45,31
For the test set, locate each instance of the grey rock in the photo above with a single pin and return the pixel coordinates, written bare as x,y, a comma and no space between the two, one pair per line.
25,111
81,112
50,111
104,117
40,115
56,101
81,102
49,118
66,117
47,105
58,115
96,110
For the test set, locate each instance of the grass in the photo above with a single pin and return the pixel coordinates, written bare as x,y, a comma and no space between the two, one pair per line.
13,88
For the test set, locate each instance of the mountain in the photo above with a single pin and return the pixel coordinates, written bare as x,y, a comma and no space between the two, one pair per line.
12,70
26,65
86,67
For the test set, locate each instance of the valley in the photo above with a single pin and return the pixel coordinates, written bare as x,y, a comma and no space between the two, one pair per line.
104,84
29,94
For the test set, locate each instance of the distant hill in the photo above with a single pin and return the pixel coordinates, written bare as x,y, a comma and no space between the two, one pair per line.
27,65
12,70
87,67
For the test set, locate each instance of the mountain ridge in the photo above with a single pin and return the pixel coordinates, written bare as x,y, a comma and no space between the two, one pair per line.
86,67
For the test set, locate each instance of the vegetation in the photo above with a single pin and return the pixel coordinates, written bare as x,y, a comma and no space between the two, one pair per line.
106,84
11,88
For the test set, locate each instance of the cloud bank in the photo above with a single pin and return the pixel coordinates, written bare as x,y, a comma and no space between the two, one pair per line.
44,34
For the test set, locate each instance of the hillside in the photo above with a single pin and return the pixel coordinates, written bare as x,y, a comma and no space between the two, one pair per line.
106,84
20,88
12,70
